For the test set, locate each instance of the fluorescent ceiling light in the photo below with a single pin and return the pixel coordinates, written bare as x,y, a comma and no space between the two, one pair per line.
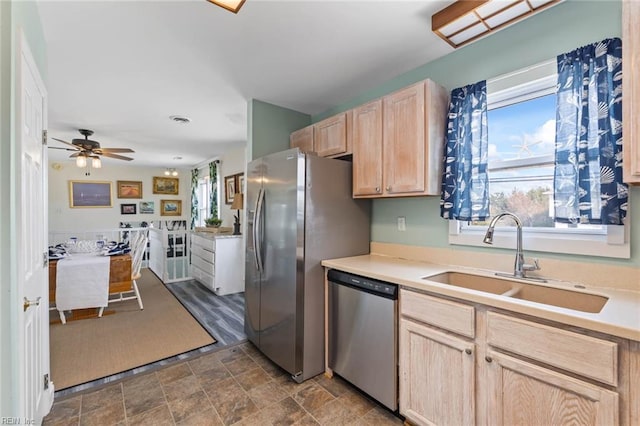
468,20
231,5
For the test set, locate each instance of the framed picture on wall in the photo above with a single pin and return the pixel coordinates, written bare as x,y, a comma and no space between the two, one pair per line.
229,188
129,189
127,209
239,183
85,194
147,207
170,207
165,185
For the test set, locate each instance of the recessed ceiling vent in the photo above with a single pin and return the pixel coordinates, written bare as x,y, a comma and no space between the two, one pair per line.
180,119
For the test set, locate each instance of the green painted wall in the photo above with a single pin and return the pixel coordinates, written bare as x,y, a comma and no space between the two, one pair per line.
270,126
542,37
14,16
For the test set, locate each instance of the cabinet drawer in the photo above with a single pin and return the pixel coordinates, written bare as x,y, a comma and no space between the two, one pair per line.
203,264
203,277
452,316
585,355
206,243
198,251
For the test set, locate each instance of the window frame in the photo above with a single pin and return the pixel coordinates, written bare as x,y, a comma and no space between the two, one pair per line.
519,86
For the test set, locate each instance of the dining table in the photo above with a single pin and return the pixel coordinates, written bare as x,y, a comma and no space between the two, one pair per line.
119,281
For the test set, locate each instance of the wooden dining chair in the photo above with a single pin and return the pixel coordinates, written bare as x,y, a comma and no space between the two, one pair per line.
138,245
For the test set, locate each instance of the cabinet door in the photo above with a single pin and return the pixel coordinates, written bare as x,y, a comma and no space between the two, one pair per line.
631,93
404,141
436,376
522,393
367,149
330,136
302,139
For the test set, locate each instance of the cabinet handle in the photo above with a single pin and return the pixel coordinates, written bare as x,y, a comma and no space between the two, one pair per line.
467,351
377,189
488,359
388,188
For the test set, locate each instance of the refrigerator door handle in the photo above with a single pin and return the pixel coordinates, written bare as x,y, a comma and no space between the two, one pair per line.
257,232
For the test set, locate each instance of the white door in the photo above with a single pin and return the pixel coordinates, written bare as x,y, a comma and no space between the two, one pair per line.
35,391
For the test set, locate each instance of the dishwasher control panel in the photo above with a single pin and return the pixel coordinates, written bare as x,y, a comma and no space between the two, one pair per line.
370,285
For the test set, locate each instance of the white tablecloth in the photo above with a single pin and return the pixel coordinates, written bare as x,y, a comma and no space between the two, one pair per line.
82,281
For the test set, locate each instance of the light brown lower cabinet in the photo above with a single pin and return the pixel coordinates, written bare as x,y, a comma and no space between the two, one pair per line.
522,393
509,369
441,366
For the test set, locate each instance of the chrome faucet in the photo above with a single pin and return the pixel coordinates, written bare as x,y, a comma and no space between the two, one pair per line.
520,268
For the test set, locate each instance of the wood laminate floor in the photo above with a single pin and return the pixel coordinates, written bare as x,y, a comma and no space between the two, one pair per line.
221,316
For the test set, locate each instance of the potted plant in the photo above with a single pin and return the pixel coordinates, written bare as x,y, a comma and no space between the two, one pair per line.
213,222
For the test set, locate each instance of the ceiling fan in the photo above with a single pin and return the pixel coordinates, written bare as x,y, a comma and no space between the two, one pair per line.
87,148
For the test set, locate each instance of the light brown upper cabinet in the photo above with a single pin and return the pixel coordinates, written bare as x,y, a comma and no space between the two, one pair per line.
402,156
367,149
302,139
330,136
631,91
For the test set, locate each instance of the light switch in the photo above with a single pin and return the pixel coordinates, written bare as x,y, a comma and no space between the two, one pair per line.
402,223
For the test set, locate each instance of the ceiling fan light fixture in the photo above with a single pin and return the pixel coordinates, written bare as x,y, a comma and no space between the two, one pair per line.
81,161
231,5
96,163
465,21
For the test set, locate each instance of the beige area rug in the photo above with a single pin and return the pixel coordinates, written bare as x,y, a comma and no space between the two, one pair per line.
90,349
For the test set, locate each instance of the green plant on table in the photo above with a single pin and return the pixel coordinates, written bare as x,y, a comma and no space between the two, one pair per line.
213,221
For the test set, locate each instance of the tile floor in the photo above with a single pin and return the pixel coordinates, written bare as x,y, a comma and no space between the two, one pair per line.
236,385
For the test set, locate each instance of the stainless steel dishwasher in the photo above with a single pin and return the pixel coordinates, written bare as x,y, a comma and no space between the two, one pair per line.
363,340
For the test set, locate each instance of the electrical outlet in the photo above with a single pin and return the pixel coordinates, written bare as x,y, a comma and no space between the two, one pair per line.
402,223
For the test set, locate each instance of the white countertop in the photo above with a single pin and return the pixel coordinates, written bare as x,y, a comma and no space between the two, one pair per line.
214,236
620,316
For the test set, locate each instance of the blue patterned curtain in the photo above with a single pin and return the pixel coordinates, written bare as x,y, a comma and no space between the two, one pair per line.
194,198
213,180
588,184
465,185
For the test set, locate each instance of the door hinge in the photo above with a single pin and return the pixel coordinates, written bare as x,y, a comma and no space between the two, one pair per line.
46,381
44,137
45,259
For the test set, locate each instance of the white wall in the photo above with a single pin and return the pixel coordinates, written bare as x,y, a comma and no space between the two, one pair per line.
231,163
64,218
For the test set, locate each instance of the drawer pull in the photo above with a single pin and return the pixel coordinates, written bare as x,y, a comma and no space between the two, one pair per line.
488,359
467,351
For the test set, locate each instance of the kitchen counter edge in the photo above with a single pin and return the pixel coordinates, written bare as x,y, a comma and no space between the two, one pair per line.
620,316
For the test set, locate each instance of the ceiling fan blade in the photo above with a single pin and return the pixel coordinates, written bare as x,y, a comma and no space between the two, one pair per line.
119,157
57,147
68,143
74,155
116,150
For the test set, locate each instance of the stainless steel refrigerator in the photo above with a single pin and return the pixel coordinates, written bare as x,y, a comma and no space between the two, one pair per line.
299,211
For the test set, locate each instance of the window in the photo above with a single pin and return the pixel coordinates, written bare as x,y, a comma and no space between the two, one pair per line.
204,200
521,133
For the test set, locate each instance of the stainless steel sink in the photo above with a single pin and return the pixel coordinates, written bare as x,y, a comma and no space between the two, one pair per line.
579,301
